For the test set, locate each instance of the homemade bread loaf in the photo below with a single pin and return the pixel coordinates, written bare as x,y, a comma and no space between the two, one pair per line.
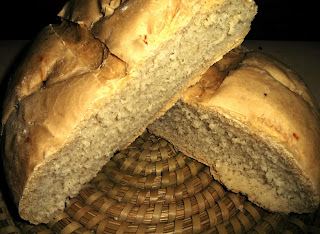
90,86
253,121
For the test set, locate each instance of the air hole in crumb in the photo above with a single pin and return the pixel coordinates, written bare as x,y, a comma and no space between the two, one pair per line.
27,140
44,83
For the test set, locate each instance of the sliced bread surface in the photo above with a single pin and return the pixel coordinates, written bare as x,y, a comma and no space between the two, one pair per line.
254,122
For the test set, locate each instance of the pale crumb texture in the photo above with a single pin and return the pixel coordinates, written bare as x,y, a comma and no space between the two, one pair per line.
239,159
126,114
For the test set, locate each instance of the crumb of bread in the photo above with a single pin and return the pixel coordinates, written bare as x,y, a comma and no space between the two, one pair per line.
237,158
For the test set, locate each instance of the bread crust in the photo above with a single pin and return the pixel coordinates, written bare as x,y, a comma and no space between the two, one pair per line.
131,36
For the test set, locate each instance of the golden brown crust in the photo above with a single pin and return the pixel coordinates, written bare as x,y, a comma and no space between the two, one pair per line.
211,80
131,36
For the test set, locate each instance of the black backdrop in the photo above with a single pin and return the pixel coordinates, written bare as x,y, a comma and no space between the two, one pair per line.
276,19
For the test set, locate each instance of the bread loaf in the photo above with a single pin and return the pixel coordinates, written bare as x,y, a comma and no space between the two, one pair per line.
254,122
89,86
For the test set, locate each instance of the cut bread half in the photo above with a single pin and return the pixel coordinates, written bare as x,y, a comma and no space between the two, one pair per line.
254,122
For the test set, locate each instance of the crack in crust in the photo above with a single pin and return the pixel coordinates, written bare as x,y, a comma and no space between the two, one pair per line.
89,12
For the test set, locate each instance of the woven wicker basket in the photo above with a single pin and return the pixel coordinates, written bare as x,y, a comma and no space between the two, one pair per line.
151,187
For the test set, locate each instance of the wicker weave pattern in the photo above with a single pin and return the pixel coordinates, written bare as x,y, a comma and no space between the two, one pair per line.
151,187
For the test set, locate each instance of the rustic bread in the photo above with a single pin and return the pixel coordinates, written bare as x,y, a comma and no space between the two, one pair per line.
90,86
253,121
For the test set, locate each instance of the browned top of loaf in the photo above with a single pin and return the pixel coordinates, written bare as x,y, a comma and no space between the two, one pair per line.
269,98
136,27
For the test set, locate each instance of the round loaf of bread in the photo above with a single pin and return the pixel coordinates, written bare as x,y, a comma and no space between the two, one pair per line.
253,121
90,86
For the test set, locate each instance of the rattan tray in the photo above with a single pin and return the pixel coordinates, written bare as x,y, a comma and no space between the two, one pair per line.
151,187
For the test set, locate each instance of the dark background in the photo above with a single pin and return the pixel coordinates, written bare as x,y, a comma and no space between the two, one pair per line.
276,19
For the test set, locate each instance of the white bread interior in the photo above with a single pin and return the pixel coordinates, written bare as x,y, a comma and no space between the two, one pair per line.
90,86
254,122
